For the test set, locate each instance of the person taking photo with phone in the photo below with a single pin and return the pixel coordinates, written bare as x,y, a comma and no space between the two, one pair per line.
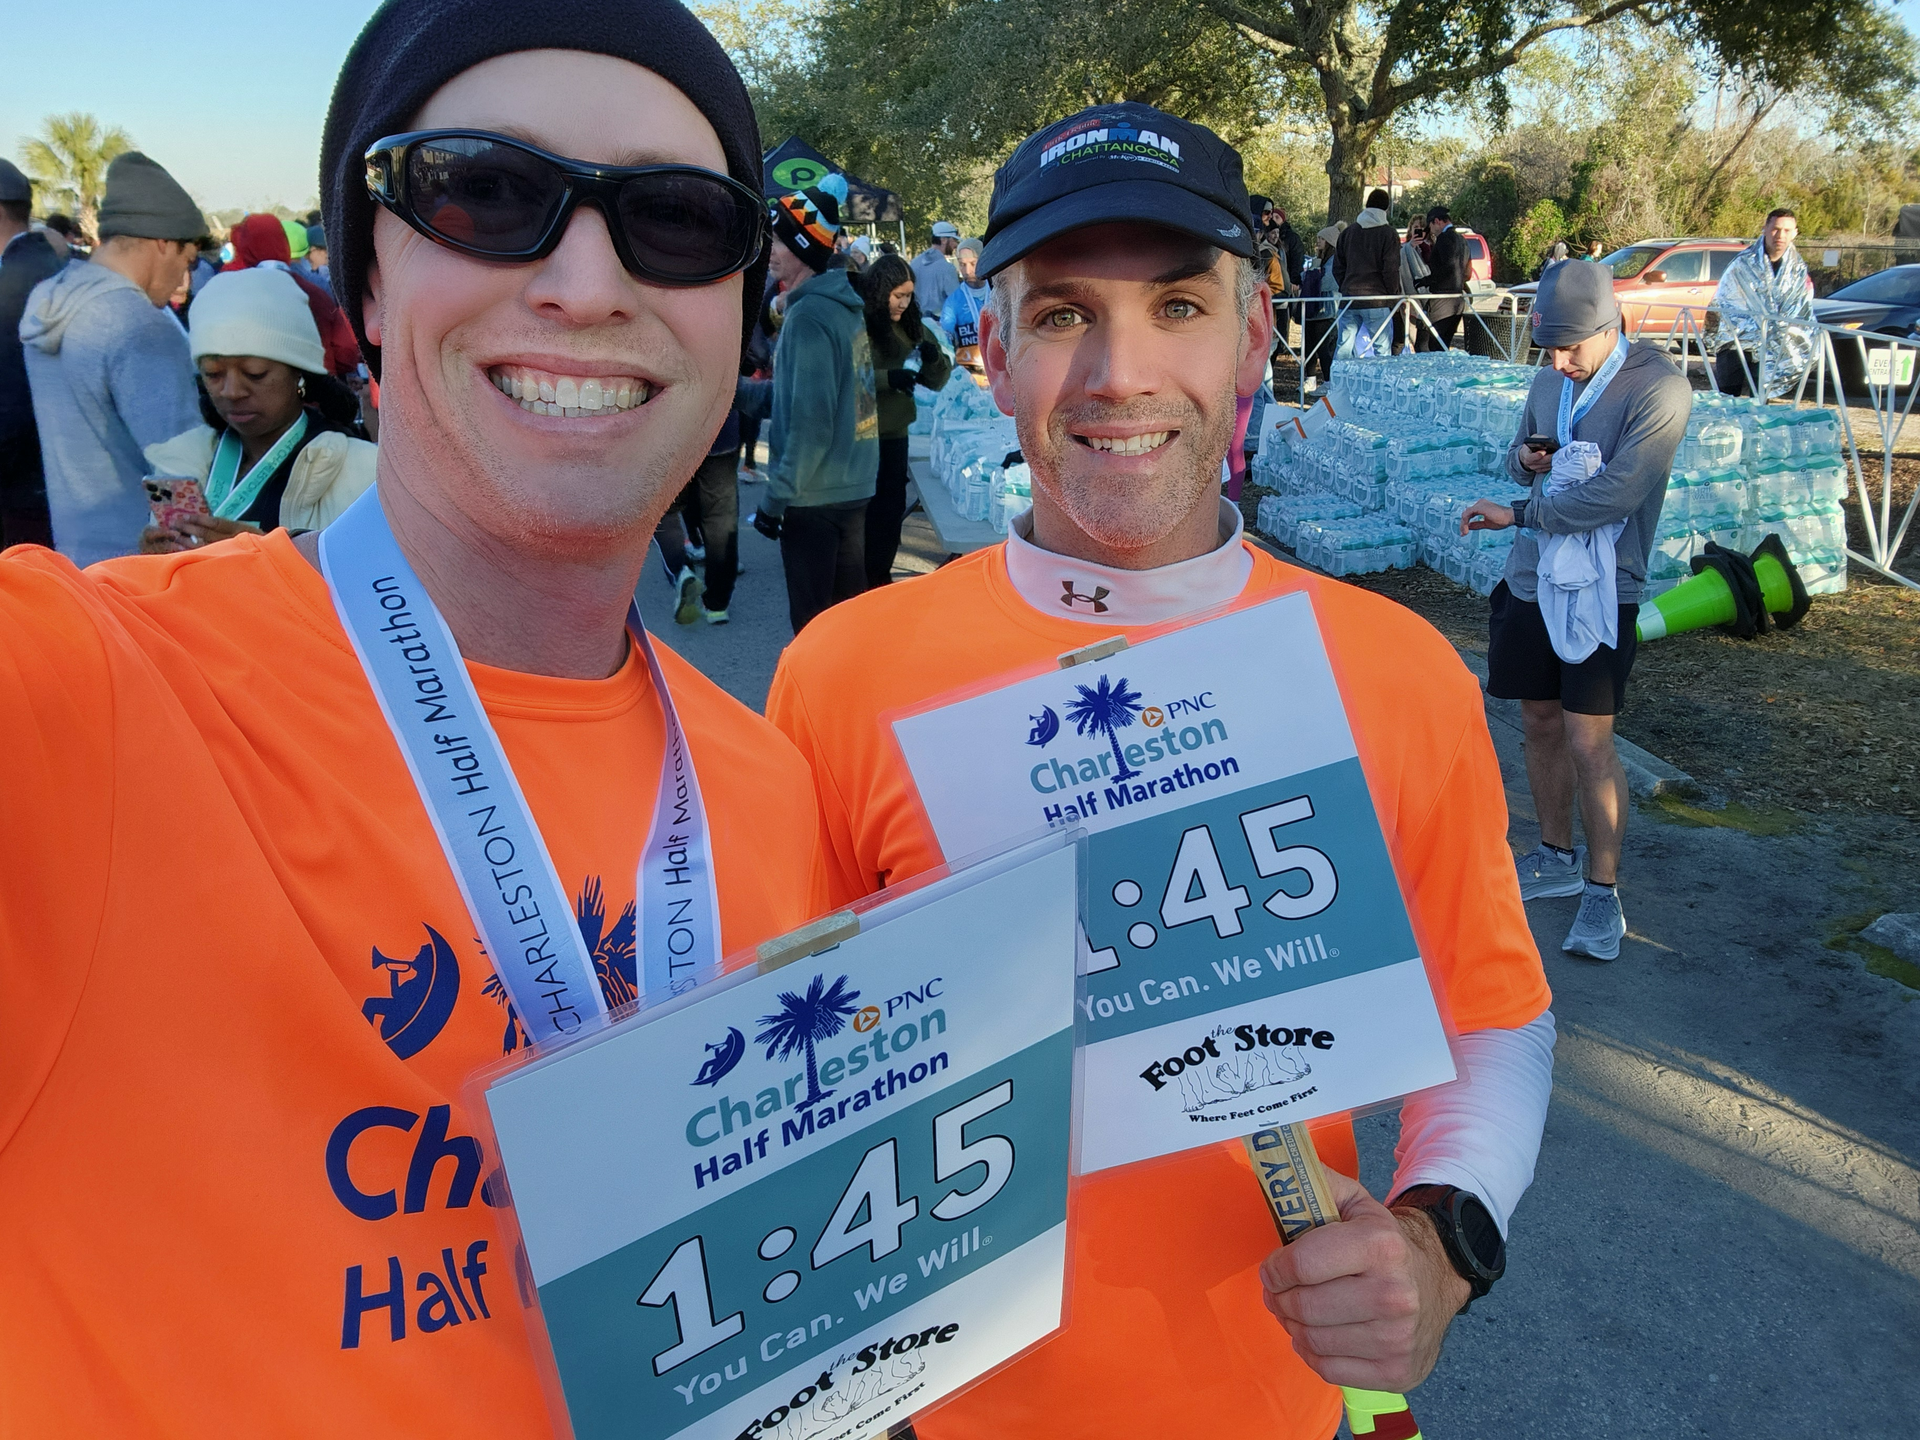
1127,320
1596,441
246,979
282,444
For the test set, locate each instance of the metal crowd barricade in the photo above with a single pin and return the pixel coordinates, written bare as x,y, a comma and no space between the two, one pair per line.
1890,414
1898,372
1494,318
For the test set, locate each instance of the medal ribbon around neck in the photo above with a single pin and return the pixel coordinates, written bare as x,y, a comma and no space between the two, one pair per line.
1570,413
229,501
493,845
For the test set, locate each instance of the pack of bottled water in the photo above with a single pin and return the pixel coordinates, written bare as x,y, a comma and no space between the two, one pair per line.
1355,545
1746,470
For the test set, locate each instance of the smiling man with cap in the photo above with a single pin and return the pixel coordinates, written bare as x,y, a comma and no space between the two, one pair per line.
1630,404
1125,322
246,980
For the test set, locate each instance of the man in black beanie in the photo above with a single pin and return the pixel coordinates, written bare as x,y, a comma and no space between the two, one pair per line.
256,927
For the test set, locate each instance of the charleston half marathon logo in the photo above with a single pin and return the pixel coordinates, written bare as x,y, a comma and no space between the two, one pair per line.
890,1049
1121,772
1231,1072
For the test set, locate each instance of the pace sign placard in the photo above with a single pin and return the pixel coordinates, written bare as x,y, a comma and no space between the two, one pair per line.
1250,960
806,1205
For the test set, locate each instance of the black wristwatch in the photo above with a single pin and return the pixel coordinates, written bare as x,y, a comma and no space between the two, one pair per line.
1467,1232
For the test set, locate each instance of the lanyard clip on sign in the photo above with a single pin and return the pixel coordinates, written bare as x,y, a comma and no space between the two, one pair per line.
492,843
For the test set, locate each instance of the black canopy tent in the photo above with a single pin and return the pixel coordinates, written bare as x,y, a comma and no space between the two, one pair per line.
793,164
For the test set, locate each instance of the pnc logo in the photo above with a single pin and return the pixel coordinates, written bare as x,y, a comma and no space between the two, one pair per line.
868,1017
1152,716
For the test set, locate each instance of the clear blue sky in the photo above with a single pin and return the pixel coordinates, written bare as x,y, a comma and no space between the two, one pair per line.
228,96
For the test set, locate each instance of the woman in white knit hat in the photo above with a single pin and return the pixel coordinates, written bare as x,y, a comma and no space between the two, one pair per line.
281,444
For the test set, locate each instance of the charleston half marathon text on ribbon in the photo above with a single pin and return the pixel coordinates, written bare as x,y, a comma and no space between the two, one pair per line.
492,843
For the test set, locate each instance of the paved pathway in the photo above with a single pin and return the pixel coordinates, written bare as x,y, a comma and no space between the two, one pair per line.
1724,1235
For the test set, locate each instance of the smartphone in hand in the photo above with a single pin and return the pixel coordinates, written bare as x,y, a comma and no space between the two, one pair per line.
173,498
1545,444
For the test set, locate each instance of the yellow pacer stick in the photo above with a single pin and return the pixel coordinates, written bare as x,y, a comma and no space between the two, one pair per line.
1291,1178
1295,1184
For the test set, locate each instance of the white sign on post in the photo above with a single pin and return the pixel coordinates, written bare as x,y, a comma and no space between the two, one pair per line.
806,1204
1250,962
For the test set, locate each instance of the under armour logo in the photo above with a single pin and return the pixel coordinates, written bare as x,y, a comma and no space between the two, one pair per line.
1098,599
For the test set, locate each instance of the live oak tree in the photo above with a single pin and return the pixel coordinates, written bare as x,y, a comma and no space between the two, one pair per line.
1372,61
926,96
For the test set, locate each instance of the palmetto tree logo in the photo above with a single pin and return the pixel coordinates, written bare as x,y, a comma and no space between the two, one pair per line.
804,1021
1106,709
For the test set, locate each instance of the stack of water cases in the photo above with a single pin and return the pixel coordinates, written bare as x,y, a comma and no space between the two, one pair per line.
970,443
1746,471
1420,437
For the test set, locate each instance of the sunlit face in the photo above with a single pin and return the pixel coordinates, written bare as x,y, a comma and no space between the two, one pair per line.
1121,369
1780,234
967,262
257,398
647,369
788,268
898,299
1578,362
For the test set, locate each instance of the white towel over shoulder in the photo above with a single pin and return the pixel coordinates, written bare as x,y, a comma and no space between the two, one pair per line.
1578,596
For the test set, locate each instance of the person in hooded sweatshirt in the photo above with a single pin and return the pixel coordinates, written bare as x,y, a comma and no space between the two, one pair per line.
107,365
826,417
1366,263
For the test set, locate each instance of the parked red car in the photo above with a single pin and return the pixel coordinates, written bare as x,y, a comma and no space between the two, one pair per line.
1654,280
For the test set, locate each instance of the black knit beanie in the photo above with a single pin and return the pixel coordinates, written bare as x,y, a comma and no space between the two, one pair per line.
410,48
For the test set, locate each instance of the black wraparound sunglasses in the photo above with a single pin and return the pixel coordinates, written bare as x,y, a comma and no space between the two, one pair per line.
502,199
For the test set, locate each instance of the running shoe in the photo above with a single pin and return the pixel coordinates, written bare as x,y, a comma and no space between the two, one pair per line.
697,553
688,589
1543,874
1599,927
714,617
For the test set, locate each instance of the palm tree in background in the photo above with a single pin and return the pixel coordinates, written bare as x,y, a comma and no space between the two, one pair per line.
68,162
804,1021
1106,710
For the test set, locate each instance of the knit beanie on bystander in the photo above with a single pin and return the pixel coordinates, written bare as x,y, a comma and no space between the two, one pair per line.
808,220
142,200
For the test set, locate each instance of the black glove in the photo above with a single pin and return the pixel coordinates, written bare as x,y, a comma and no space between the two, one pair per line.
767,525
901,380
929,352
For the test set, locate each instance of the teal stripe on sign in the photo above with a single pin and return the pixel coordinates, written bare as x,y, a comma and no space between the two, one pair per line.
605,1340
1177,970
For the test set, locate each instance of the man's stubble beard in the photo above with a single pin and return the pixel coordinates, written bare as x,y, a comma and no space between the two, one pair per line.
1154,507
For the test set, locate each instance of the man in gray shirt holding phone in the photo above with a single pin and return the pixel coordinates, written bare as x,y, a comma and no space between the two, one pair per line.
1630,401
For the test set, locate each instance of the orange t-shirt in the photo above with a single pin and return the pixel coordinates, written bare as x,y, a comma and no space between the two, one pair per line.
1167,1334
239,1191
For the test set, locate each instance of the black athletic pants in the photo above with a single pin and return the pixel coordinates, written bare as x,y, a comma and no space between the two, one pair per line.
886,511
823,549
710,506
1729,374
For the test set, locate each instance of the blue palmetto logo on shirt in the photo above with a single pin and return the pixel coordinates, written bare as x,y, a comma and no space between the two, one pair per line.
612,949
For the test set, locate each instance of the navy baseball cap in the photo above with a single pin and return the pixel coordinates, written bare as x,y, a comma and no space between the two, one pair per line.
1123,162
